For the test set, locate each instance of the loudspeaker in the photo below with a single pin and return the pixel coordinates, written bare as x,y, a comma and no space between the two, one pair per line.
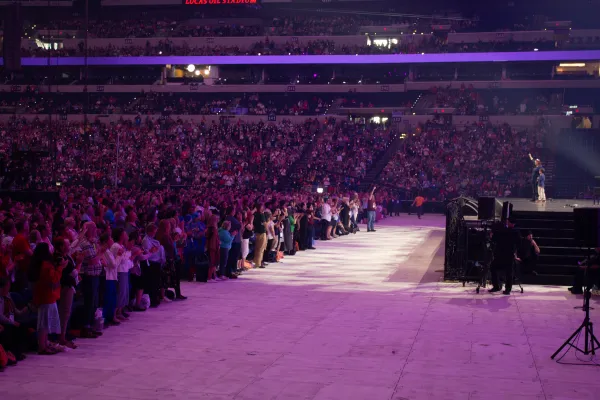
486,208
587,226
11,43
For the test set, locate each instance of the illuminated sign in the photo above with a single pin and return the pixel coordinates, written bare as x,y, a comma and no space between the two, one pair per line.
217,2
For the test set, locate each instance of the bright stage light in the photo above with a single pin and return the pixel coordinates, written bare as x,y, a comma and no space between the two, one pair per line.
191,68
197,72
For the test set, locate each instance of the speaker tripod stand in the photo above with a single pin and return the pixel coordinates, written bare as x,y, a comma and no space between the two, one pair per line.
591,343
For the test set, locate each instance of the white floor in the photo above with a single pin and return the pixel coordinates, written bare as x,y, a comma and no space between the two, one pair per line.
363,317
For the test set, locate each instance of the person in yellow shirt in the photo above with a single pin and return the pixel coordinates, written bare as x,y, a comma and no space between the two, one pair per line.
418,204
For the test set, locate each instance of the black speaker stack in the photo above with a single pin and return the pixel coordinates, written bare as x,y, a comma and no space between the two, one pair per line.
11,43
587,226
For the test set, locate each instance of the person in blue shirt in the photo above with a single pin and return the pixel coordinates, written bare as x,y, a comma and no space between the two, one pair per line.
109,215
226,239
195,244
541,184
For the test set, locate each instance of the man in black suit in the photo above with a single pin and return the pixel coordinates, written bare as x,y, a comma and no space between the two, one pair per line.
505,240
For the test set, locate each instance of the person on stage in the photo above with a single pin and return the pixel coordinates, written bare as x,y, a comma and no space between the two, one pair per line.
542,186
535,172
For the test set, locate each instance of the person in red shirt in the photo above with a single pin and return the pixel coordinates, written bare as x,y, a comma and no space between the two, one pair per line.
46,276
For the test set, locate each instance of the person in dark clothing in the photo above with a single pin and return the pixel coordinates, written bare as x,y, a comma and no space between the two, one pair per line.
587,274
527,253
236,246
535,172
345,214
13,334
505,240
303,227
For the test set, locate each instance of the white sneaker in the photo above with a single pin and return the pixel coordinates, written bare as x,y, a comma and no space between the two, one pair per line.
167,300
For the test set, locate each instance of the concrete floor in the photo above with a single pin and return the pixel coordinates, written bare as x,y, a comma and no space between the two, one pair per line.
363,317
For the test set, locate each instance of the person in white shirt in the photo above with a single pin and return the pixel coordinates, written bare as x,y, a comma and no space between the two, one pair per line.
122,245
110,264
326,217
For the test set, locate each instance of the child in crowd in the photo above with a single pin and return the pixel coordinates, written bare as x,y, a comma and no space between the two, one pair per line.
542,186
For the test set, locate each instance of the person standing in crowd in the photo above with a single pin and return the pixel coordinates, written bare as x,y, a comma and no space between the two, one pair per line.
170,274
354,207
110,263
225,242
122,246
310,227
91,268
418,205
14,335
46,293
213,247
345,214
152,273
537,165
236,245
135,276
260,232
541,186
371,211
326,218
270,236
68,282
248,233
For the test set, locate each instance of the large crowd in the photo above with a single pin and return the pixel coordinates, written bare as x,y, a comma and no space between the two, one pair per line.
483,159
143,205
89,259
145,152
342,156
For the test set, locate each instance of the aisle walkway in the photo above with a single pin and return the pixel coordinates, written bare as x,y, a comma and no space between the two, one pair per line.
363,317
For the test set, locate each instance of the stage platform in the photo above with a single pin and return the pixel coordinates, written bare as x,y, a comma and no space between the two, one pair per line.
554,205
